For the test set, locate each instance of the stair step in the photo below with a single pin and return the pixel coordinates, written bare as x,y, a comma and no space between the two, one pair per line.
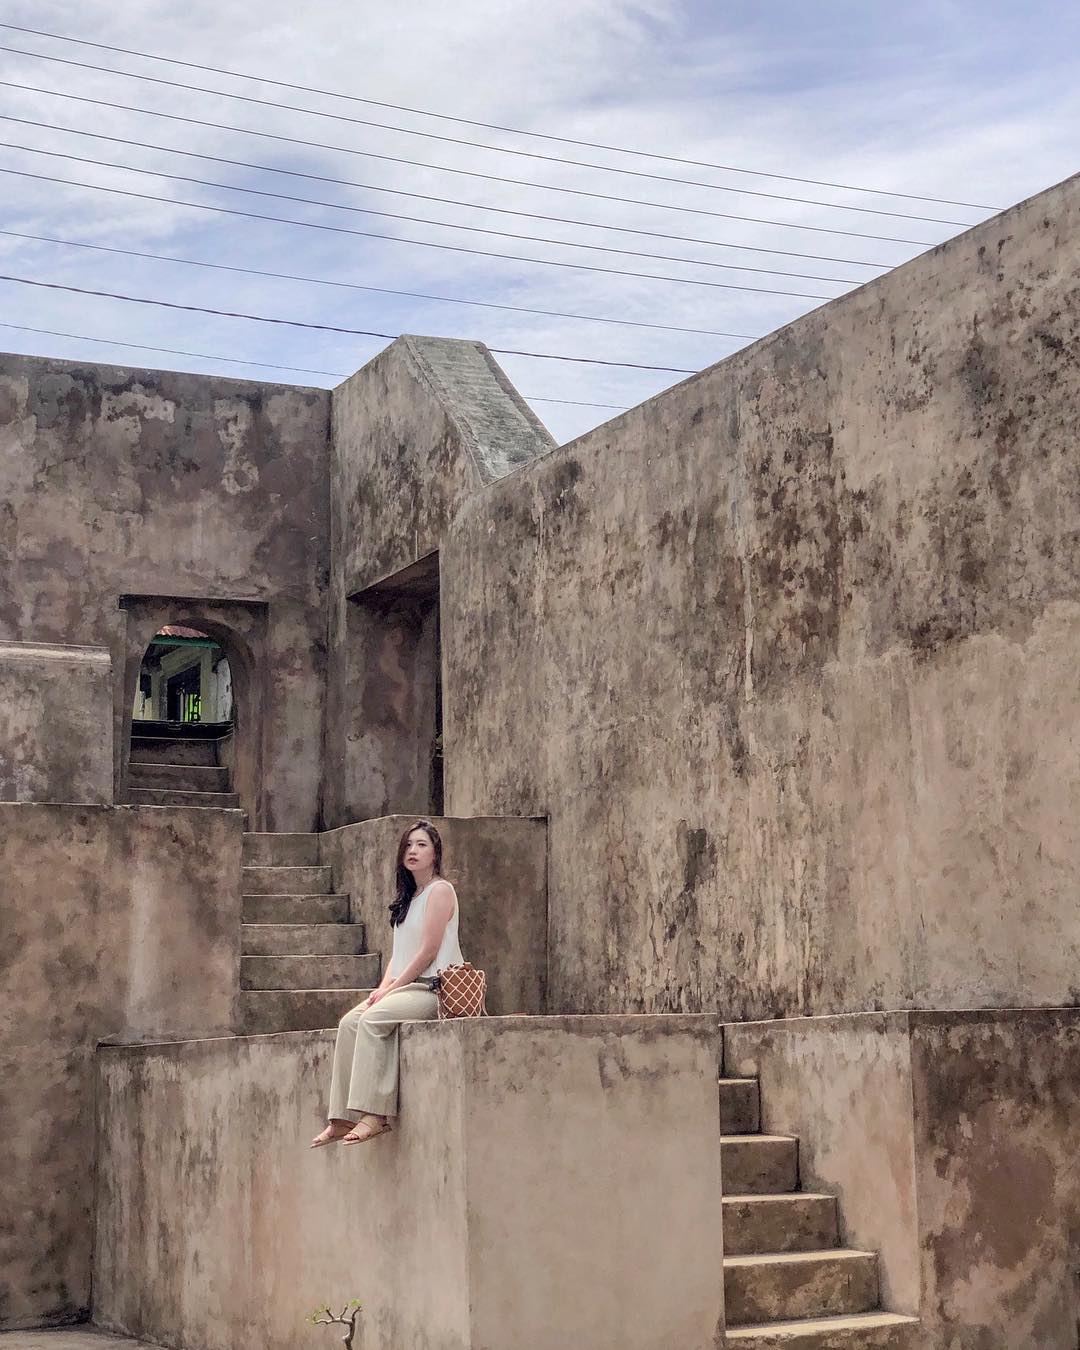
169,750
223,801
866,1331
787,1285
281,850
286,881
758,1164
301,939
309,972
779,1223
269,1010
179,777
295,909
740,1106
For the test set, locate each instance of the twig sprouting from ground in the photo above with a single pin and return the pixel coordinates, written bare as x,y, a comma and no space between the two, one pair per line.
346,1318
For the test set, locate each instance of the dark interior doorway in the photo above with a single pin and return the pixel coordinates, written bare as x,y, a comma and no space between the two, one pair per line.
395,755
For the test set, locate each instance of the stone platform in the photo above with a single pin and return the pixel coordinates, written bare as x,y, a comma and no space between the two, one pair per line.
552,1181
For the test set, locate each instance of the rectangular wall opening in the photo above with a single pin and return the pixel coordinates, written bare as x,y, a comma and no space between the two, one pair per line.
393,713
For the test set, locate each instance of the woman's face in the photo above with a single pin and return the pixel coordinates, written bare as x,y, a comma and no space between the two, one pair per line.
419,852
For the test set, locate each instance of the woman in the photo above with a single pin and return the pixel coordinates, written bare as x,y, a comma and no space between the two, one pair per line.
364,1086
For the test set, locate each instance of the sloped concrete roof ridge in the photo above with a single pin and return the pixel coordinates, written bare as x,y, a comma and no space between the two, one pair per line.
497,426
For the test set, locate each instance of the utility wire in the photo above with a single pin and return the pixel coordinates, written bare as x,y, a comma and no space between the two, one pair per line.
475,173
417,220
475,145
378,290
266,365
420,243
326,327
401,192
495,126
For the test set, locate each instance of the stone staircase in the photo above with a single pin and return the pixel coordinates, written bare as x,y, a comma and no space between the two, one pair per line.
788,1283
174,771
303,963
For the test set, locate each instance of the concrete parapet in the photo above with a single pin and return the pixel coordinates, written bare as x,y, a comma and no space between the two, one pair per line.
498,865
56,742
950,1139
551,1182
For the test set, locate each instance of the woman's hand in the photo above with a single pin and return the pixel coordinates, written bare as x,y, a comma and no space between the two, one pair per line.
373,998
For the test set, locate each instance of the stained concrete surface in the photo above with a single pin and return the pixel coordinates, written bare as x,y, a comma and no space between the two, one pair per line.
415,434
75,1338
951,1139
119,922
498,867
119,482
787,654
550,1182
56,741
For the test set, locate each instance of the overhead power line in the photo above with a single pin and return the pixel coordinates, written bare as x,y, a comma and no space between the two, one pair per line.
419,243
417,220
475,173
418,196
325,327
475,145
495,126
265,365
377,290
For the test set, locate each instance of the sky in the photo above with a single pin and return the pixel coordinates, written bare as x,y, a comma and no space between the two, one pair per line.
956,101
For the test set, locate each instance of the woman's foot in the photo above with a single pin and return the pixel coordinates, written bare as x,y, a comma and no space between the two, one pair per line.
367,1127
337,1129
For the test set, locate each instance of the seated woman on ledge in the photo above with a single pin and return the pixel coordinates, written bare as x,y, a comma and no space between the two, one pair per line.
364,1086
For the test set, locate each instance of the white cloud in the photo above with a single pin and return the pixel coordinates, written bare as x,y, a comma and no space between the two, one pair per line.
838,92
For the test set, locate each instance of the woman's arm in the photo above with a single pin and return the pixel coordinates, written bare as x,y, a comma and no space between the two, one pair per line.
440,909
377,993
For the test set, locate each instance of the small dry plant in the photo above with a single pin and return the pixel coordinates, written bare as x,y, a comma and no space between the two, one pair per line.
323,1317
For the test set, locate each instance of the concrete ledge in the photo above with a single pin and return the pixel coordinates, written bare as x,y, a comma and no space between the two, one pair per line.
56,742
552,1182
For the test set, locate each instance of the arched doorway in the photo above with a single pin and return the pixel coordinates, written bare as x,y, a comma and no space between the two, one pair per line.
184,680
182,722
228,734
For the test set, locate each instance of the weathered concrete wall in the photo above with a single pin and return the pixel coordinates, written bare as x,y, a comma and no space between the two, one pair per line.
56,741
523,1234
499,869
133,482
416,433
117,922
787,655
951,1140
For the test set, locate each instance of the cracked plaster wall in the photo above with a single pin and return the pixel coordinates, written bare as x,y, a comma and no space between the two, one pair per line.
788,655
117,481
117,922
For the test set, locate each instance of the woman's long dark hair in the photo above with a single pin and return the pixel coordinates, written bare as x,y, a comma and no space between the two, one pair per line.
406,884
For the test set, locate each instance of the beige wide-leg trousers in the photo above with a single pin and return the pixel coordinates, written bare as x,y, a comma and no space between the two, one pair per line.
365,1077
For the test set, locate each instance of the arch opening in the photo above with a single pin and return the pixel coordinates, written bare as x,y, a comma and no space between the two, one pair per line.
184,680
183,719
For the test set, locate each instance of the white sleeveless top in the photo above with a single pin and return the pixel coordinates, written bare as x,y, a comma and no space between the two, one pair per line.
408,935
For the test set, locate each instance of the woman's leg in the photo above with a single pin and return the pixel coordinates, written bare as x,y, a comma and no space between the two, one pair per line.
373,1083
340,1118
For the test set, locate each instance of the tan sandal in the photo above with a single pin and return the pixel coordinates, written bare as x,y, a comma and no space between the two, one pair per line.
328,1136
371,1126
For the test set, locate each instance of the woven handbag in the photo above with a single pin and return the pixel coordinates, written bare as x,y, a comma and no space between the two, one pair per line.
462,992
